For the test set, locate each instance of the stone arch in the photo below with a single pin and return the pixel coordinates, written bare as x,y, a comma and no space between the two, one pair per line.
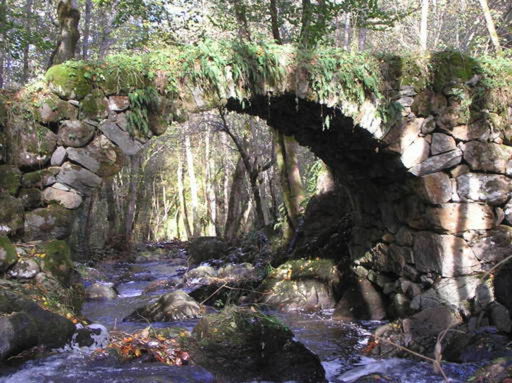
422,147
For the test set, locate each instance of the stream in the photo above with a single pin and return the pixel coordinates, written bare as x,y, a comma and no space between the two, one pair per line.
339,345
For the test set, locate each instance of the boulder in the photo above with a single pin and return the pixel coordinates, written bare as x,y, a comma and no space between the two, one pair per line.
203,249
69,81
416,153
245,345
52,110
418,333
491,188
503,285
101,157
69,199
10,179
78,178
508,212
475,346
442,143
302,284
24,269
8,255
94,106
100,291
59,156
445,255
30,198
75,133
493,245
11,214
32,145
23,325
170,307
120,137
437,163
361,301
487,156
436,188
454,292
56,260
40,178
49,222
456,218
472,132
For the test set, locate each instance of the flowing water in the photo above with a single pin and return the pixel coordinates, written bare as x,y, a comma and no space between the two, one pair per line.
338,344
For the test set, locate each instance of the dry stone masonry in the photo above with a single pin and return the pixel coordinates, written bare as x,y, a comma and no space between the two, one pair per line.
424,156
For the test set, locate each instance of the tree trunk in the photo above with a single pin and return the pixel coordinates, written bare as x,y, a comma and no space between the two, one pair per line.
307,15
347,32
3,40
68,16
26,47
131,204
274,17
236,202
182,197
363,32
87,29
194,194
424,25
291,182
490,25
111,206
241,17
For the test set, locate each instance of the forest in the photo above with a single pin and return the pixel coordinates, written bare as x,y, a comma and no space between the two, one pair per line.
255,191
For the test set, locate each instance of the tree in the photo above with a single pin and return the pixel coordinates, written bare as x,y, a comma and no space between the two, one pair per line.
68,16
490,25
424,25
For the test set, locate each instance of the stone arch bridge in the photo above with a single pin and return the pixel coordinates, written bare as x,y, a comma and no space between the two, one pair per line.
420,145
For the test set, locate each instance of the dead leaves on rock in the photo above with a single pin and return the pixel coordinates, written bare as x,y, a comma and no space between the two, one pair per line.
147,345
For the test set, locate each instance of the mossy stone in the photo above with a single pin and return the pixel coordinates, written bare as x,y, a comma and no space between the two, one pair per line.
8,254
57,260
53,221
94,106
52,109
3,112
69,80
324,270
450,68
40,178
10,179
11,214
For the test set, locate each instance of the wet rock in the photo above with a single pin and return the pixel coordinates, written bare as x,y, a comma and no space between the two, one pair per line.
93,336
10,179
376,378
24,269
437,163
40,178
78,178
497,371
475,347
30,198
418,332
362,301
487,157
170,307
491,188
503,285
76,134
442,143
23,325
46,223
101,157
203,249
11,214
242,345
302,284
446,255
122,138
8,255
100,291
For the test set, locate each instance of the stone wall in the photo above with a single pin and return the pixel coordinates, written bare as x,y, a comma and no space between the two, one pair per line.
428,181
